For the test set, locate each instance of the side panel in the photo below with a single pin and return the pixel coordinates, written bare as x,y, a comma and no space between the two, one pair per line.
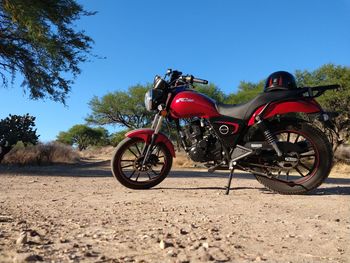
189,104
228,129
279,108
146,135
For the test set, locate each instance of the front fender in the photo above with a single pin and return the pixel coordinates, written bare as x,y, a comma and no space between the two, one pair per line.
146,135
280,108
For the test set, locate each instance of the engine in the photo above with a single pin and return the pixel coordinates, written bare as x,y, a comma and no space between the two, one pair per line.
202,143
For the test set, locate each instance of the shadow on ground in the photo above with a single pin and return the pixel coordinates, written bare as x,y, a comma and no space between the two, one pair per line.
102,169
84,169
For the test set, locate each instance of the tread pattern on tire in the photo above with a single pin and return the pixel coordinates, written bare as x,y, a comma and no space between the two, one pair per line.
138,185
325,152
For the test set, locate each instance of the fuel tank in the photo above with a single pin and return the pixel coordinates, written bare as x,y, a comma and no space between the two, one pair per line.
187,104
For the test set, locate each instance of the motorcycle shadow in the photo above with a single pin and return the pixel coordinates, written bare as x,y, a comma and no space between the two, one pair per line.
341,187
325,189
332,186
206,174
205,188
336,190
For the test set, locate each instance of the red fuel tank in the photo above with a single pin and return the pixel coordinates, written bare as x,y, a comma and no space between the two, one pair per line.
189,104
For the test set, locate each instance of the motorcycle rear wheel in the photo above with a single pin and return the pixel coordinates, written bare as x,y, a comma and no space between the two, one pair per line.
312,168
127,164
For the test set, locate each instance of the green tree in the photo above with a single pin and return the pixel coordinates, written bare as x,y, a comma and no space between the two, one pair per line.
212,91
246,92
38,40
14,129
335,101
103,138
121,108
83,136
117,137
64,137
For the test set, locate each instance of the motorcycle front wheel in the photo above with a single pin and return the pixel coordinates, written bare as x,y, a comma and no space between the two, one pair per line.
311,166
127,164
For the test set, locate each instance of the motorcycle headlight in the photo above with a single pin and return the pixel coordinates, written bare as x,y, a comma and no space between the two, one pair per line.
159,83
148,100
153,98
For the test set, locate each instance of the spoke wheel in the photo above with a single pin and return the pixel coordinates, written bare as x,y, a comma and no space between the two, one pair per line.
306,162
129,168
301,158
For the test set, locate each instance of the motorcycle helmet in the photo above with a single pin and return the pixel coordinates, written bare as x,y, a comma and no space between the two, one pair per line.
280,80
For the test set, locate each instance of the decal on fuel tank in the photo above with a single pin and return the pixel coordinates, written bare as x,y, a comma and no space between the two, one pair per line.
184,100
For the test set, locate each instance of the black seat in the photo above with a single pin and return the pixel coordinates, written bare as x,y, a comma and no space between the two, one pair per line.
245,110
233,110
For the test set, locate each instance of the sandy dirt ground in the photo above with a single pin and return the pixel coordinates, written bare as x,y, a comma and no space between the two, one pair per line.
80,213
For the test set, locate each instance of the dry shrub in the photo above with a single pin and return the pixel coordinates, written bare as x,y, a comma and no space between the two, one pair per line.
106,153
183,161
343,152
341,168
42,154
98,152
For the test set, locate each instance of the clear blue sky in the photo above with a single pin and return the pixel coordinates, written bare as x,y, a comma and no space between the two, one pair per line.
224,41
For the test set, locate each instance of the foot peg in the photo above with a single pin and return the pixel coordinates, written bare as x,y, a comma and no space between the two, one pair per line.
213,168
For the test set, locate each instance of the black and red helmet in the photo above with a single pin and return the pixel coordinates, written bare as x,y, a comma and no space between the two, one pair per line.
280,80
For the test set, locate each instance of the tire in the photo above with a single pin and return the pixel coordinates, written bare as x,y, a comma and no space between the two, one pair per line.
133,181
322,161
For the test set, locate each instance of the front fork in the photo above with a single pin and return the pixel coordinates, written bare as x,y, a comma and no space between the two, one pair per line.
155,121
156,126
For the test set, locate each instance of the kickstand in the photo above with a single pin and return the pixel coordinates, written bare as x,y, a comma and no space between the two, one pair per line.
229,181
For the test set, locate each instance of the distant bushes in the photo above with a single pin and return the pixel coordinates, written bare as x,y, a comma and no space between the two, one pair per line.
343,153
98,152
41,154
14,129
58,153
83,136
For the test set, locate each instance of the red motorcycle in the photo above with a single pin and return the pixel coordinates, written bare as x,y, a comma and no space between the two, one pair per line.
265,136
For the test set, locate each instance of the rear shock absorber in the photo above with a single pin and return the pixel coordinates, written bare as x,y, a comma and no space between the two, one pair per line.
270,138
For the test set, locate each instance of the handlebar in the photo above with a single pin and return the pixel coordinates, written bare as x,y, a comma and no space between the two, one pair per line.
200,81
177,75
190,79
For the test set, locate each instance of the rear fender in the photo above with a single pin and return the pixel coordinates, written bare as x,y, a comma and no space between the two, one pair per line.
146,135
280,108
